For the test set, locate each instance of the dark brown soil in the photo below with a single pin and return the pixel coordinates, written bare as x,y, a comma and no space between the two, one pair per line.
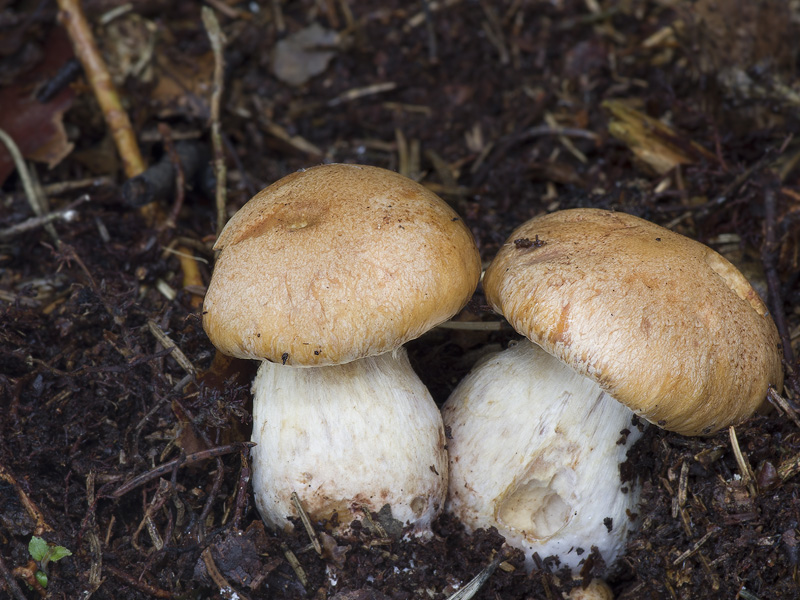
499,107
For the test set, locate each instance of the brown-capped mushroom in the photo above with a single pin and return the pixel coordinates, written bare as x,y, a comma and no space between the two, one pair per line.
628,318
323,276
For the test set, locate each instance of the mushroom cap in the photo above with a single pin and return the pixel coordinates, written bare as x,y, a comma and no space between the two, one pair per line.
335,263
663,323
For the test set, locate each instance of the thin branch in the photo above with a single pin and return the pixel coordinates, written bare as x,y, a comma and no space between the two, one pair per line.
695,547
291,558
29,183
241,490
217,39
30,507
137,584
80,32
225,588
307,523
744,465
475,584
95,549
11,583
67,214
167,342
180,462
777,400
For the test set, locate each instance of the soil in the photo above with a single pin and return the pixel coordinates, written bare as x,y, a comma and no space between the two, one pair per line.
507,110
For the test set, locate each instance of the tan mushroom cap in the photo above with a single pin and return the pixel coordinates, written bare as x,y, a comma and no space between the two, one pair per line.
663,323
335,263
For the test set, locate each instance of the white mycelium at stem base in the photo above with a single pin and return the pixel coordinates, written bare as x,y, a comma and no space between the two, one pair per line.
324,431
536,450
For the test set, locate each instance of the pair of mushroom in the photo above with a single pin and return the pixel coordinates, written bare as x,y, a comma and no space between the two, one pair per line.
325,274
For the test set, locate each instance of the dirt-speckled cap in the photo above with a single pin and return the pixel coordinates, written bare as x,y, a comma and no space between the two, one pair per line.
663,323
335,263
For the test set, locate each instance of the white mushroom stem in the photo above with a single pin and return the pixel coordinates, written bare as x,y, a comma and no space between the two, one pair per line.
360,435
536,450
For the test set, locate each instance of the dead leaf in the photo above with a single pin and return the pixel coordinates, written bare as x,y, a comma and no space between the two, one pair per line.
333,552
653,142
36,127
238,556
303,55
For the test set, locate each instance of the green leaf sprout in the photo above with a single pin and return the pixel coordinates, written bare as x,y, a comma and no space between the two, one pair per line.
37,548
44,553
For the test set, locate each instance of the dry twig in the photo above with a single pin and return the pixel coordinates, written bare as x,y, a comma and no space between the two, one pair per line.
225,588
744,465
475,584
33,191
307,523
67,214
167,342
679,500
158,500
361,92
11,583
291,557
95,550
60,188
192,279
789,468
297,142
27,573
241,489
217,39
777,400
695,547
180,462
33,511
137,583
74,21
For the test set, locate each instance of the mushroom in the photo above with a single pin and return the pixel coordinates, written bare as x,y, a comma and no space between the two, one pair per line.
323,276
627,318
536,450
